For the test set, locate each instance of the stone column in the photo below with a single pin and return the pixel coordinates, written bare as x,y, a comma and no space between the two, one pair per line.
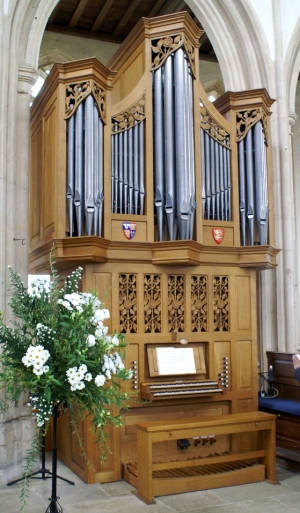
17,425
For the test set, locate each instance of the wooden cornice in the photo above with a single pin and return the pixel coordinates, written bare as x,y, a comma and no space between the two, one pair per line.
92,249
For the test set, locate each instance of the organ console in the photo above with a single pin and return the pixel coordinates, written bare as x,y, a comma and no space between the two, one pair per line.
164,200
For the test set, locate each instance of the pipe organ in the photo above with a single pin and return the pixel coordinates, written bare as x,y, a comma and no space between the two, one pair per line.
164,200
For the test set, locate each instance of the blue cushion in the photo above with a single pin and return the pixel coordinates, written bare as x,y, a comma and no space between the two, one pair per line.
280,405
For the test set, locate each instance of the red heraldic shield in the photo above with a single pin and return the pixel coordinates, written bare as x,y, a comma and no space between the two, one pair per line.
218,234
129,230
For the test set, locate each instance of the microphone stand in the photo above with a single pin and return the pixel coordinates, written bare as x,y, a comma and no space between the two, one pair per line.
45,473
54,506
269,377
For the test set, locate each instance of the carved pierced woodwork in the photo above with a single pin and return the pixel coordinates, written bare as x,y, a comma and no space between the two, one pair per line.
176,286
130,117
76,93
221,303
128,303
246,119
152,303
213,128
162,48
199,303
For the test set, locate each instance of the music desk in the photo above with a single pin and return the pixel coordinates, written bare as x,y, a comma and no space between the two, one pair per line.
210,472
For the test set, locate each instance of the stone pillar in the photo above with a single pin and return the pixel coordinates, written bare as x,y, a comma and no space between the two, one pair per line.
17,425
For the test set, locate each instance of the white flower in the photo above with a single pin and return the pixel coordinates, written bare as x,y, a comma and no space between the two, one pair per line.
80,385
38,371
99,332
108,374
36,356
73,379
98,315
100,380
26,361
90,341
79,375
88,376
115,341
83,368
72,371
46,368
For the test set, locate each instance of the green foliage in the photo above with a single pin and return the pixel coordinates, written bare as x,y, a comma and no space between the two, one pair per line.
57,348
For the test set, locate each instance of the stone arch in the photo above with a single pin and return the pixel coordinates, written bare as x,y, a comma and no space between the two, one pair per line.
293,66
238,40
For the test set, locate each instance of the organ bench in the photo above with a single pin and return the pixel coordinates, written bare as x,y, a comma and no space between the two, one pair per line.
217,470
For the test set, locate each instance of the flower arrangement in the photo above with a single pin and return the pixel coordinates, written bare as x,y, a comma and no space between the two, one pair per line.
58,349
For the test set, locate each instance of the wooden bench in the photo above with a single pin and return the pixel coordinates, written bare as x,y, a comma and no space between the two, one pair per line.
286,406
212,472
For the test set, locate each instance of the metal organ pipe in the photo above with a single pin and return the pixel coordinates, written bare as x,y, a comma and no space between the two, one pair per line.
254,186
70,171
130,169
159,193
203,171
120,165
85,169
216,177
125,175
207,175
116,172
228,183
212,176
242,191
222,186
136,168
96,193
174,172
262,210
250,187
180,148
100,198
89,163
169,146
190,147
141,168
78,182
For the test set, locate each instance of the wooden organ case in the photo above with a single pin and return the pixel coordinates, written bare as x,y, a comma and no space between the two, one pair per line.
164,199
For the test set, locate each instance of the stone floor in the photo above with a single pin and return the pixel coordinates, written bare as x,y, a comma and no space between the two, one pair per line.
118,498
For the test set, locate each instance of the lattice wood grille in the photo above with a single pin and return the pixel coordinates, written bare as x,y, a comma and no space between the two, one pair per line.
199,303
152,303
176,286
128,303
221,303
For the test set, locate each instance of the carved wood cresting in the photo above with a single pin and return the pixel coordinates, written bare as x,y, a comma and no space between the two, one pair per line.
76,93
199,303
129,117
210,125
164,46
128,303
246,119
176,303
152,303
221,303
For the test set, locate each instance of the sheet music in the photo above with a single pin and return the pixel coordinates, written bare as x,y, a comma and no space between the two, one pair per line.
171,360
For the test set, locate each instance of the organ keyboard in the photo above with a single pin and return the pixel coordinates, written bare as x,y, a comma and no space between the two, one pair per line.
155,391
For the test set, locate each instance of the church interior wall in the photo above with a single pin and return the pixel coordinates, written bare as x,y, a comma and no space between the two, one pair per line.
240,68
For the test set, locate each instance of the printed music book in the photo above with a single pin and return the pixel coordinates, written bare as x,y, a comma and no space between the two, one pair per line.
171,360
